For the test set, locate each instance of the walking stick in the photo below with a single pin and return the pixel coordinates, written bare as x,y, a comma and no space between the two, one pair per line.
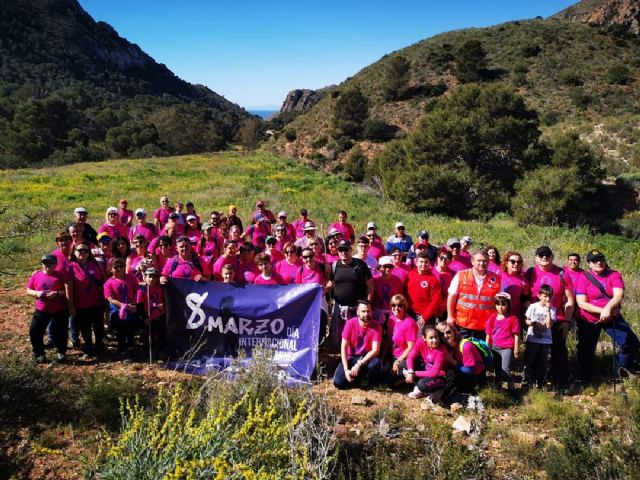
614,362
150,323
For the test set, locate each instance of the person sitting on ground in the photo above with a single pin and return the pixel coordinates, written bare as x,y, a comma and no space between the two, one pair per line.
503,337
469,365
426,366
359,350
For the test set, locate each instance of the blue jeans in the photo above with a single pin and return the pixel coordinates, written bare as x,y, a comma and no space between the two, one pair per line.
370,371
619,331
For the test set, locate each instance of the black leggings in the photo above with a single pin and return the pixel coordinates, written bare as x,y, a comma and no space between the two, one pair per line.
91,320
59,328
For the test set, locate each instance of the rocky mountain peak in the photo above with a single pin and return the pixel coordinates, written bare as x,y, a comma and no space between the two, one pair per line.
624,14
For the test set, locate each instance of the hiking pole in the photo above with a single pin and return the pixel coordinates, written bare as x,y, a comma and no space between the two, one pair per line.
614,362
150,323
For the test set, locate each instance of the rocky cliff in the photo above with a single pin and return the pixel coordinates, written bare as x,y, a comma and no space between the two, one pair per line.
300,100
621,14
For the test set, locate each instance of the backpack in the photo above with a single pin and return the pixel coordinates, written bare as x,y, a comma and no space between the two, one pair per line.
194,260
483,349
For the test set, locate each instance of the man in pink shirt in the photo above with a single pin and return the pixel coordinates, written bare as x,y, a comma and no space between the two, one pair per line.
572,268
261,209
385,286
228,257
298,225
346,229
359,349
185,265
161,215
376,247
142,227
124,214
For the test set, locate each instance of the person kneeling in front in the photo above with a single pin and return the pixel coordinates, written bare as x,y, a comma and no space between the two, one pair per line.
359,350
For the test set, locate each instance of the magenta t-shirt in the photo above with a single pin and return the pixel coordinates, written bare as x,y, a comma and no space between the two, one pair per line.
433,359
40,280
125,216
517,287
148,230
401,332
114,231
502,331
494,267
87,284
162,214
346,230
184,268
122,289
221,262
558,282
458,265
360,339
575,276
384,289
401,272
288,271
63,266
469,357
311,275
153,303
249,271
274,279
209,249
609,279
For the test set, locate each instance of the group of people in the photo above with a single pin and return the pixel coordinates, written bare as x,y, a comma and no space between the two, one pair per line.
408,312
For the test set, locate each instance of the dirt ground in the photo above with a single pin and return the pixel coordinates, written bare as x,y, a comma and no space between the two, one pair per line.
73,447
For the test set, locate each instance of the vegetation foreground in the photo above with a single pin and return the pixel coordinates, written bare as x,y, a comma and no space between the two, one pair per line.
115,420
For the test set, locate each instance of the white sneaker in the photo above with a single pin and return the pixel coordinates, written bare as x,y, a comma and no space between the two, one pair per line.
417,393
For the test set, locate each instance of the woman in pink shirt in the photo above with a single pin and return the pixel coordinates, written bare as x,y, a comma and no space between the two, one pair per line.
272,250
208,245
494,265
88,278
515,284
112,225
466,359
192,230
332,251
288,268
142,227
402,332
164,252
140,258
347,230
426,365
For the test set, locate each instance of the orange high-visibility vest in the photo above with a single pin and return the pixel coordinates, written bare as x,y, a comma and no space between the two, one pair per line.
473,308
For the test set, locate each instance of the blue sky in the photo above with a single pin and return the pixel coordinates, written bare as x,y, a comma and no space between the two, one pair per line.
253,52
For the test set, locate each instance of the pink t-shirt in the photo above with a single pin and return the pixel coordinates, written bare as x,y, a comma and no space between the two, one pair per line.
154,302
185,268
330,257
402,272
376,248
288,271
40,280
193,235
274,255
444,278
290,231
221,262
433,359
125,216
555,280
148,230
502,331
469,357
384,289
518,288
274,279
87,284
494,267
311,275
360,338
459,264
179,229
63,266
575,276
346,230
249,271
122,289
609,279
401,332
209,250
114,231
162,214
298,226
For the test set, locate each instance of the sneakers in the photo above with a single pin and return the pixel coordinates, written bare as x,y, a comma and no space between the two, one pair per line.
61,357
40,358
417,393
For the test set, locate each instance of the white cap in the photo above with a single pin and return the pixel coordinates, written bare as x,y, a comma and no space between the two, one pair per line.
112,210
308,226
399,224
371,226
466,239
81,210
141,210
386,260
191,217
282,214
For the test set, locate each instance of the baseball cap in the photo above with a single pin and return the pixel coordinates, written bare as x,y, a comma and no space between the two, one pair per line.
140,211
372,226
399,225
308,226
452,241
466,239
503,295
49,258
104,237
191,217
344,245
206,226
112,210
334,231
595,255
81,210
386,260
545,251
270,239
282,214
174,215
423,234
421,244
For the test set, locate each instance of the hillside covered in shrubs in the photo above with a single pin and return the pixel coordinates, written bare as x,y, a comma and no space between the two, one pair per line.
71,89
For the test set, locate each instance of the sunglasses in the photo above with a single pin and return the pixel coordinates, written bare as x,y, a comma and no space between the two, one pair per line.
82,250
344,249
515,262
387,267
447,333
307,257
397,305
290,251
443,258
400,228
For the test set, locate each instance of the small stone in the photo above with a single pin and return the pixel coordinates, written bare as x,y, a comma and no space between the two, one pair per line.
358,400
456,407
526,438
426,404
491,463
383,428
462,424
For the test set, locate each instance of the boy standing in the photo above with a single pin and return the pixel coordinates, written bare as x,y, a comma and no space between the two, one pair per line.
540,318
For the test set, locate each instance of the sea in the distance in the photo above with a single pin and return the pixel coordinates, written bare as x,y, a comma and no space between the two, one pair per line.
263,113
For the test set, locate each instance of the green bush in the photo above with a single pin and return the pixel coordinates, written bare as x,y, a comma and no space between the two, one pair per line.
320,142
350,111
101,398
376,130
630,225
470,61
290,134
356,165
396,77
618,75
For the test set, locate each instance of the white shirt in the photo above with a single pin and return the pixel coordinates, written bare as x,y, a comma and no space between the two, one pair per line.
455,283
